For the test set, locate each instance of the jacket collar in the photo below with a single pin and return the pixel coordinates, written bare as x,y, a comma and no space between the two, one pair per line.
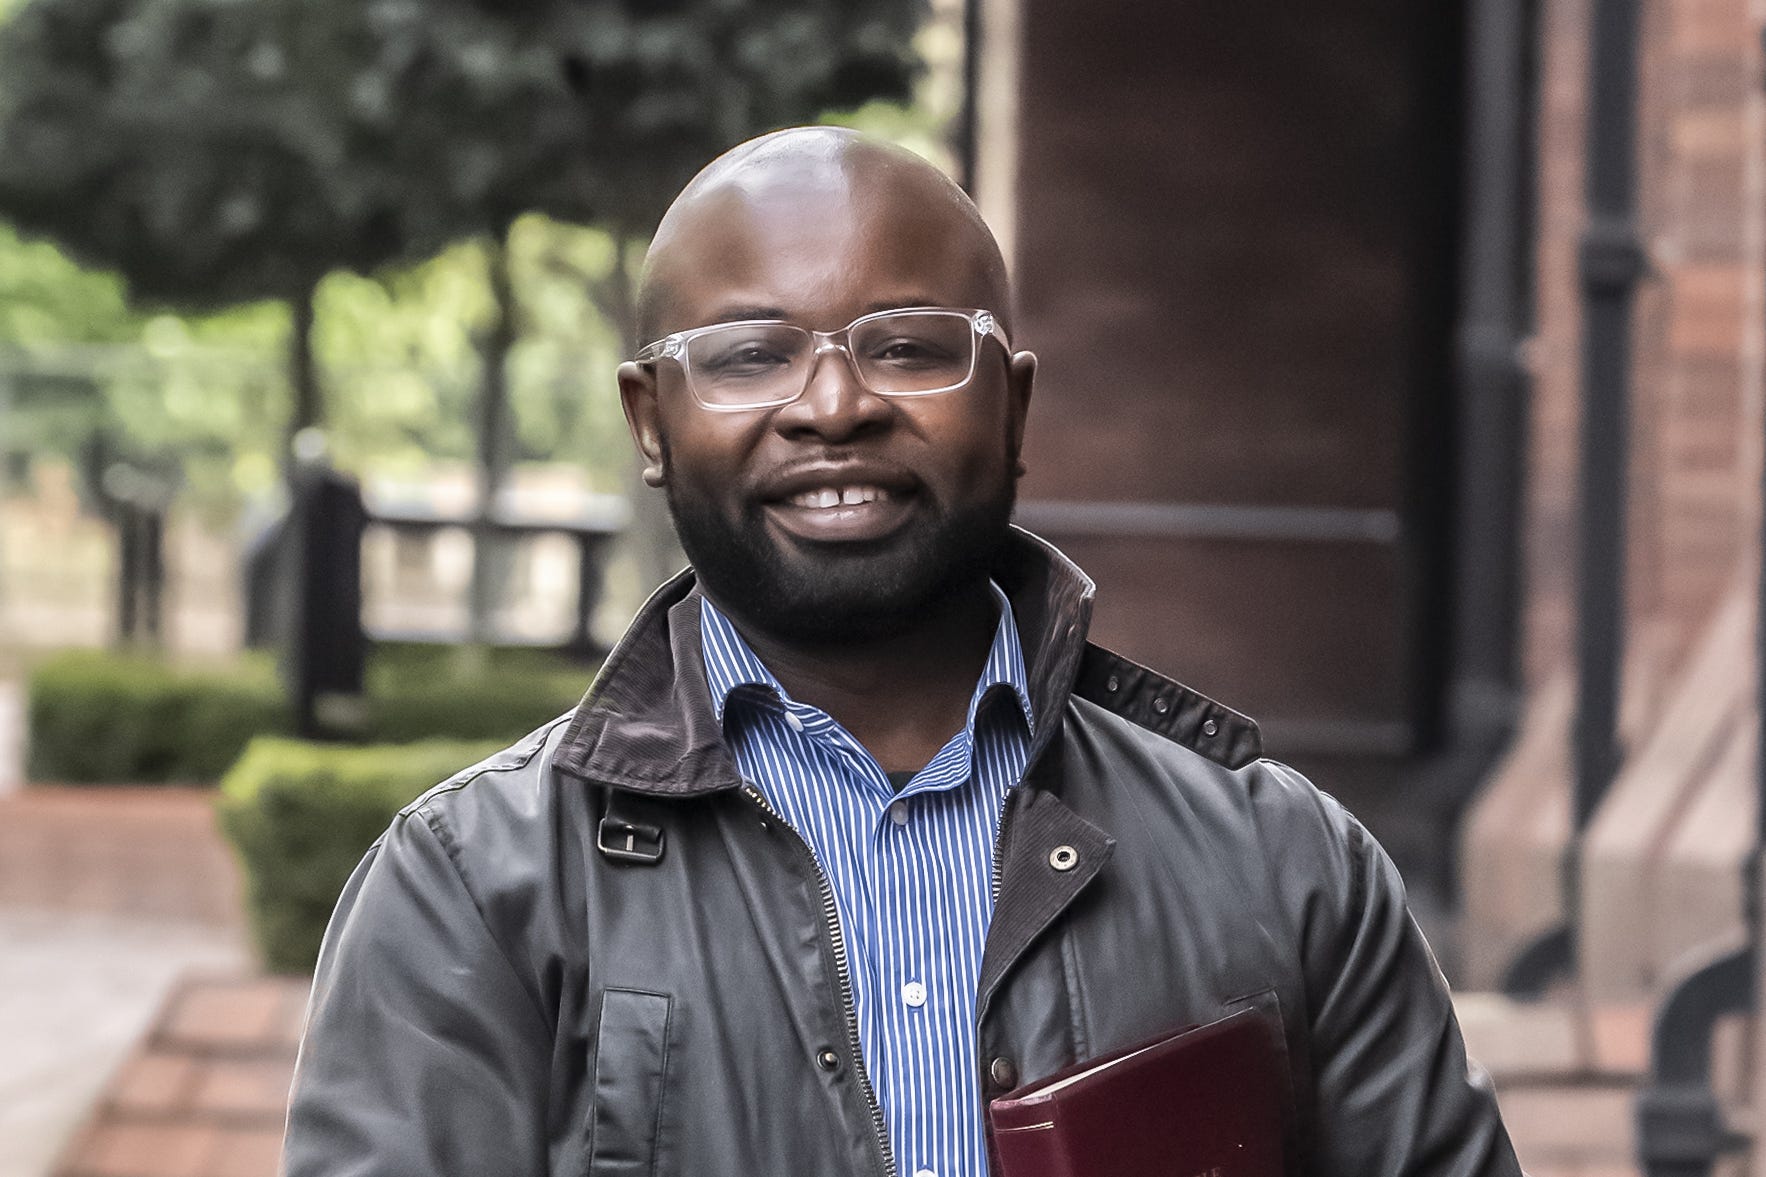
647,723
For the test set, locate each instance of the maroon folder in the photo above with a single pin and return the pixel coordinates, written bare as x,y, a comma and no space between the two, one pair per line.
1207,1101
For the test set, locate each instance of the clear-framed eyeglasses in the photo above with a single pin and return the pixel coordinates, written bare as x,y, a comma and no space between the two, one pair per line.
765,363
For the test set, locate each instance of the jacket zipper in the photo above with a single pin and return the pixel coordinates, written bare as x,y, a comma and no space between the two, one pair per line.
999,847
843,974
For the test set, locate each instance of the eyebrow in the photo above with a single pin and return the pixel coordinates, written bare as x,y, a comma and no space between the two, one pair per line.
738,314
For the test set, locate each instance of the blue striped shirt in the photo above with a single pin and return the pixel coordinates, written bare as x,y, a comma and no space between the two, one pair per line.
911,873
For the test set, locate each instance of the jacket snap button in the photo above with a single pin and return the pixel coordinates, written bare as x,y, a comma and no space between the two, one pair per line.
1161,705
1210,728
828,1060
1113,683
1063,858
1003,1073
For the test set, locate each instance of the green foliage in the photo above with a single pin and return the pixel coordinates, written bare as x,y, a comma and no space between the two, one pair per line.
403,365
302,815
418,692
206,393
96,717
99,718
215,151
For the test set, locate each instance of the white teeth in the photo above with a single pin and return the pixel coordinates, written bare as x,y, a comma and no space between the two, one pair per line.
849,496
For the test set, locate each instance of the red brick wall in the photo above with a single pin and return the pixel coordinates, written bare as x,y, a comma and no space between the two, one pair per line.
1694,490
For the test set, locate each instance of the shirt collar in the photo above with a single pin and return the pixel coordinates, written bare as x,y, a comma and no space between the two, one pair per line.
731,665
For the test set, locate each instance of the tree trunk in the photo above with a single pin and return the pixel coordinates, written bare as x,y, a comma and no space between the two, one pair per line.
303,374
493,412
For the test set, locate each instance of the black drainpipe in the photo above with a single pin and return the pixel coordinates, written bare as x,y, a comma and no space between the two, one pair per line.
1610,264
1495,320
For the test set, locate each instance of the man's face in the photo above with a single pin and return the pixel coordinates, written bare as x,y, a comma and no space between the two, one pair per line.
844,514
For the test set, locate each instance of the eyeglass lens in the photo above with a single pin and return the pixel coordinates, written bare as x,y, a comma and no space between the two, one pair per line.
904,354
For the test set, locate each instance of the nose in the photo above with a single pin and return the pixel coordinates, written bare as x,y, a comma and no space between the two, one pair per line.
836,406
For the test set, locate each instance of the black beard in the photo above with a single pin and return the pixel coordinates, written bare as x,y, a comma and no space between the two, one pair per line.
854,592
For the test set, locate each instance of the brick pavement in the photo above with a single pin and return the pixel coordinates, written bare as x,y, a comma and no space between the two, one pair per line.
150,852
76,991
205,1092
107,897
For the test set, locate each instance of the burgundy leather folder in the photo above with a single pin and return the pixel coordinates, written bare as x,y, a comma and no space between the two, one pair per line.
1207,1101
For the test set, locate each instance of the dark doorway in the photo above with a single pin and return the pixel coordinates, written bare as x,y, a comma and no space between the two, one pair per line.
1239,243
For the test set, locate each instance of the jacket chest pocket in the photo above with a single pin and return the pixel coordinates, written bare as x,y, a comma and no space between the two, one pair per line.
631,1066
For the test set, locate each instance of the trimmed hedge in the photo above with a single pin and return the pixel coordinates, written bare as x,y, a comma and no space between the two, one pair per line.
103,718
423,692
301,816
128,718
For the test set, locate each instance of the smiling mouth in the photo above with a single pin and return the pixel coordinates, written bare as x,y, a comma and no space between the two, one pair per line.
827,498
842,513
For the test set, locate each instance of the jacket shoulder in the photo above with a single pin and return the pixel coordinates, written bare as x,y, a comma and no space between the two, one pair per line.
509,788
1162,705
1144,726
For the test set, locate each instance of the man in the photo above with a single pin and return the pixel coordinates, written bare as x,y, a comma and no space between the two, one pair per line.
854,831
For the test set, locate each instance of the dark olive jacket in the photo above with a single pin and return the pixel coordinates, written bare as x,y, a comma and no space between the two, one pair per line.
598,954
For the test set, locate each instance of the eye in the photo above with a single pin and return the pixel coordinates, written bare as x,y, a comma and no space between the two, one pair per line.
907,351
742,359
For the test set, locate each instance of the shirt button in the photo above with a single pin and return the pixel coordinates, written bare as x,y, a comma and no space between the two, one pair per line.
898,813
924,1173
792,722
914,994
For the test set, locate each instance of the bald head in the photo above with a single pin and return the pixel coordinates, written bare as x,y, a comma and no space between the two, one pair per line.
809,195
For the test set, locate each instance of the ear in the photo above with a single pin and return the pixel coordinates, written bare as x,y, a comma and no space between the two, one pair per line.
1020,378
643,416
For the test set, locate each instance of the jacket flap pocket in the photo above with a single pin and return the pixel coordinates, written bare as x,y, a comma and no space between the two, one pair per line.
631,1062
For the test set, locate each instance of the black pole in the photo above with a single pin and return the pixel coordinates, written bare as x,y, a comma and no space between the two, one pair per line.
1611,262
129,571
969,115
1493,379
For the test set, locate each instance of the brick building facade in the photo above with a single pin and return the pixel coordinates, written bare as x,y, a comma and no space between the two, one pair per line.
1240,238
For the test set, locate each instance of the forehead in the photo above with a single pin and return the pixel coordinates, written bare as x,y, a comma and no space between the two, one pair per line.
819,251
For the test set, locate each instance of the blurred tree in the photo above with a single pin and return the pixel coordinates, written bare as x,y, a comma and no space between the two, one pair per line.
215,151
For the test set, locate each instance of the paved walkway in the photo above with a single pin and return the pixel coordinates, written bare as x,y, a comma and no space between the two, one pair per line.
206,1093
107,897
76,993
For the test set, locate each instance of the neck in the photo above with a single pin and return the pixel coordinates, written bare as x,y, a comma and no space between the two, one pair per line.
902,696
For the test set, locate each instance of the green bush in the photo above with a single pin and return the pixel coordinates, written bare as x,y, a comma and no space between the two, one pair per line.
420,693
301,816
101,718
97,717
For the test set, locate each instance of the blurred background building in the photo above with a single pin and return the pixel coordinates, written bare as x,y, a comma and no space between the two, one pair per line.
1401,373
